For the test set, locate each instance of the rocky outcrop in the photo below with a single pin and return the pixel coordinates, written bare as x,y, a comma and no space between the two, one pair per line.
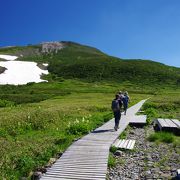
49,47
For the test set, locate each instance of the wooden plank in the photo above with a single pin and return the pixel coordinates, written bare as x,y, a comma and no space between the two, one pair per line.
89,152
83,157
76,169
138,119
68,178
121,142
162,123
76,172
77,153
56,166
125,144
177,122
51,177
170,123
89,147
87,160
94,143
129,144
83,164
75,175
79,163
132,144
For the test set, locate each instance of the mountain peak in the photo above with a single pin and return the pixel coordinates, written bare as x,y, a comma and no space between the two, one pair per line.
48,47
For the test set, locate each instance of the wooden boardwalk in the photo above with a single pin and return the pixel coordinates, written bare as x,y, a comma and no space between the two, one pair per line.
171,125
87,158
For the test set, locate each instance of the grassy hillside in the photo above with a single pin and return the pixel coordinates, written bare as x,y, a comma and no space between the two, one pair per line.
84,62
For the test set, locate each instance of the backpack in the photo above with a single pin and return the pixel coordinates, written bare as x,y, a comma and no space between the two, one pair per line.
115,105
125,100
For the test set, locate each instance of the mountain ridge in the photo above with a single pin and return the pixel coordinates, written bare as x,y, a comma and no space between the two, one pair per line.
68,59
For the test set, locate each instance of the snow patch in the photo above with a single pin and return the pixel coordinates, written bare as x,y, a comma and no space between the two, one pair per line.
21,72
8,57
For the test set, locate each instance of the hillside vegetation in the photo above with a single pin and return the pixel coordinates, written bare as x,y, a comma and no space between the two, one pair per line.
84,62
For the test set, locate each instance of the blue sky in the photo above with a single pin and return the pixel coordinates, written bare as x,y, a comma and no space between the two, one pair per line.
144,29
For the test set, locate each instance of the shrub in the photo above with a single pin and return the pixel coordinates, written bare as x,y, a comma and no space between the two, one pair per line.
5,103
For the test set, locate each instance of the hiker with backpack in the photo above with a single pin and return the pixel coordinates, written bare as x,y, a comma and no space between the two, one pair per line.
125,100
116,110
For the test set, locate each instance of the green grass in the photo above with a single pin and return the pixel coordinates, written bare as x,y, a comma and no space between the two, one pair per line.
113,149
111,161
162,137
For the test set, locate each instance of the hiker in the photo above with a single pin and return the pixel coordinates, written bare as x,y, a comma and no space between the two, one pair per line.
125,102
116,110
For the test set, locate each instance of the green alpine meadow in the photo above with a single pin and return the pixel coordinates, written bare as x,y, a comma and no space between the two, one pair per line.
39,121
